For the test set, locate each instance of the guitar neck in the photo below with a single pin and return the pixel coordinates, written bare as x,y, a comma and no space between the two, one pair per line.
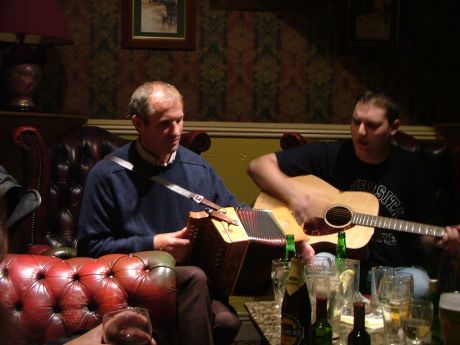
396,224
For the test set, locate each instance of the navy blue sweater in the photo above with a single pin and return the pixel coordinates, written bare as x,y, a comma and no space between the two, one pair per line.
122,211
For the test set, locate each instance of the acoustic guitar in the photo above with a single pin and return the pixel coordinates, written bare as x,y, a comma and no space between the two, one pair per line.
333,210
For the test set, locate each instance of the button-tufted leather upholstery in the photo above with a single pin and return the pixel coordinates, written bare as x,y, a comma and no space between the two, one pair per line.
58,170
47,297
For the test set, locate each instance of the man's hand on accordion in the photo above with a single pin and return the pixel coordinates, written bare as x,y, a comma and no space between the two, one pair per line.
175,243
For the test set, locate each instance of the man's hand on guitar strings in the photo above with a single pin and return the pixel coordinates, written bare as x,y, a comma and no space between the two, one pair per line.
299,204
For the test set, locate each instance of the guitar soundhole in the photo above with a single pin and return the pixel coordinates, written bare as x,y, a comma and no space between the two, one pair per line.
338,216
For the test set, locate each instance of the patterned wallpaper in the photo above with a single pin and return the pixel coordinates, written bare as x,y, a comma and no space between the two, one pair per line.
257,64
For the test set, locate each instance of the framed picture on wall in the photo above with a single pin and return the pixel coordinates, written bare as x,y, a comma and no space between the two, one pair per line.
158,24
372,26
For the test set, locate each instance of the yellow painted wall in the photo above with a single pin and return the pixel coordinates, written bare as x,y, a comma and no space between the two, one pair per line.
235,144
230,158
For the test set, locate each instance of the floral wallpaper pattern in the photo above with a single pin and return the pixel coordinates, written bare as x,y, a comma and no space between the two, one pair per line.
257,65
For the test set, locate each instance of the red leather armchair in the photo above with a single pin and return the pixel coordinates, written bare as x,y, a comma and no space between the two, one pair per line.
46,297
58,170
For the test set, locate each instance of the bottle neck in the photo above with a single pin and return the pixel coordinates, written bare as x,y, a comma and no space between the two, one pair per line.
296,276
433,287
321,307
359,314
290,247
341,252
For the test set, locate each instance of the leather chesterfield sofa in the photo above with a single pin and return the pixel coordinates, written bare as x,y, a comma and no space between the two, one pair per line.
46,297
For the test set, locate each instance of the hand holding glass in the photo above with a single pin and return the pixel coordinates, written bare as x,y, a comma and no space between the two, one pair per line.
130,326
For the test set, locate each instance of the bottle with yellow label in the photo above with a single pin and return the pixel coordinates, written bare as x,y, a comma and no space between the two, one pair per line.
296,307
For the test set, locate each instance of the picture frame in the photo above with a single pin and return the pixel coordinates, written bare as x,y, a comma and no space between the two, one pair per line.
158,24
372,27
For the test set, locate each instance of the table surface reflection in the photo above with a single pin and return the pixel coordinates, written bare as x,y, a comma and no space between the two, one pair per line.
265,318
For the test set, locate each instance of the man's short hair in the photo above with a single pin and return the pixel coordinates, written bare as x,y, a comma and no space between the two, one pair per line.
139,104
381,99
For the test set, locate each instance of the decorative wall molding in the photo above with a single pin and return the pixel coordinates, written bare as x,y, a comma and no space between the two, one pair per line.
262,130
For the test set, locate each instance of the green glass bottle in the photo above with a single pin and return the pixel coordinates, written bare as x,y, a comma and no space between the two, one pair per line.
341,251
359,335
321,330
296,307
434,296
290,247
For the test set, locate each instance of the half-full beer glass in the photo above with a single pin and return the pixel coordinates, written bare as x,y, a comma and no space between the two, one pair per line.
449,316
395,293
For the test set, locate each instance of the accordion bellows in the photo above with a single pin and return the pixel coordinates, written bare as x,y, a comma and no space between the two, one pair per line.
236,258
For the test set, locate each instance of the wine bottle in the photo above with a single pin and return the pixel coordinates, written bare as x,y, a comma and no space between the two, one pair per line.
433,289
341,251
296,307
290,247
359,335
321,330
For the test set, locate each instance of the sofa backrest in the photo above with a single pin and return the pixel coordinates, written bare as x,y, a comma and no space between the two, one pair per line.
58,170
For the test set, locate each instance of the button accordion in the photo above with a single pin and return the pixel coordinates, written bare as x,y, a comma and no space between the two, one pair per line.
237,257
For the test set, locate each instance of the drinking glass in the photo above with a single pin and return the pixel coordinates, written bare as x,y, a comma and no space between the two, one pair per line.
317,273
449,317
395,293
279,274
417,322
322,278
349,271
377,273
128,326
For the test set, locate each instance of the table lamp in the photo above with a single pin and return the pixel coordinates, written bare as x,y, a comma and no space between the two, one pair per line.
25,24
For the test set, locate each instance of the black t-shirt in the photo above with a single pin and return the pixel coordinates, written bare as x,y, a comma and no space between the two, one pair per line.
402,185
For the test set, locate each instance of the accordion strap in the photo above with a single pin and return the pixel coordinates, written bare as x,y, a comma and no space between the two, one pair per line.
199,199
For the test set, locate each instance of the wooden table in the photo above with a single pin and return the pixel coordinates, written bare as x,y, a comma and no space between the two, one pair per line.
266,320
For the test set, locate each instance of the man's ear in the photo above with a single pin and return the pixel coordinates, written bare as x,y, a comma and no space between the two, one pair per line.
137,122
394,127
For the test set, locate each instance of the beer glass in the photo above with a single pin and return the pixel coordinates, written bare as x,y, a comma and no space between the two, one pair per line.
395,293
449,316
418,320
128,326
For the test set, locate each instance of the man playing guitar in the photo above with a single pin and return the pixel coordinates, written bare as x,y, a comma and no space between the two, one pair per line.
368,163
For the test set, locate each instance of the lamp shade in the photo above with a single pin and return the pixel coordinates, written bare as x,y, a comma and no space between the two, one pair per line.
40,21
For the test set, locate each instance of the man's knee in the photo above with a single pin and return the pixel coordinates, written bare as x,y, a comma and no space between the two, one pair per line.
226,323
227,320
225,328
191,275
